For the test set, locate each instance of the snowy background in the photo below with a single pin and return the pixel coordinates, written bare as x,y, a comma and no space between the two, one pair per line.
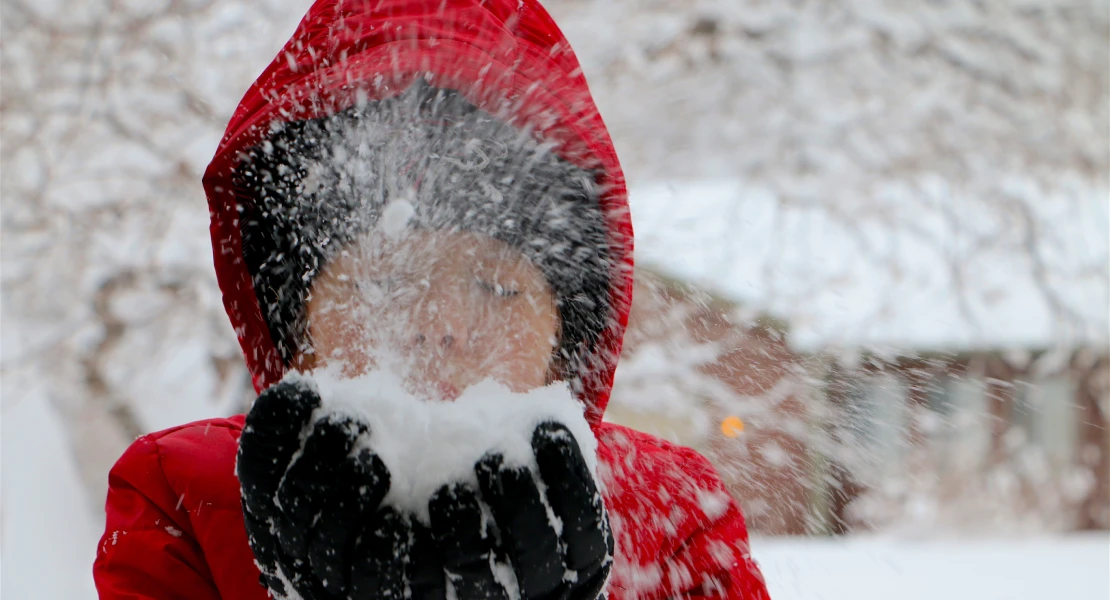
890,178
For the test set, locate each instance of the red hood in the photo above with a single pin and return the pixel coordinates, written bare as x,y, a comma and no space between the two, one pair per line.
498,53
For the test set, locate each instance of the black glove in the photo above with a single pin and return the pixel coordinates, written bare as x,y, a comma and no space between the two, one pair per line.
571,561
312,509
315,522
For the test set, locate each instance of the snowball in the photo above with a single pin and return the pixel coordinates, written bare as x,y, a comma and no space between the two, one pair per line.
427,444
396,216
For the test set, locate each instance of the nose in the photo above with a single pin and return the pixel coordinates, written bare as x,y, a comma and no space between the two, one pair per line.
445,342
442,325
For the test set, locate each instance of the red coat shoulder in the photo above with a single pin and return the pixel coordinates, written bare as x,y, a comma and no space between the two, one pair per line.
679,532
173,523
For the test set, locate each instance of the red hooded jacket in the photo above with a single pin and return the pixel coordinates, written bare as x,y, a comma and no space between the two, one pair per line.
174,521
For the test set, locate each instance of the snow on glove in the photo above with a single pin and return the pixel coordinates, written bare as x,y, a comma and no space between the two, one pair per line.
479,502
550,526
312,506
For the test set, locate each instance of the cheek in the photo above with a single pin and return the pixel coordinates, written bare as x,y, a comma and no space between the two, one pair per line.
522,353
337,337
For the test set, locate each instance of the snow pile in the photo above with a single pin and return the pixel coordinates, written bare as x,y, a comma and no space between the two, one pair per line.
427,444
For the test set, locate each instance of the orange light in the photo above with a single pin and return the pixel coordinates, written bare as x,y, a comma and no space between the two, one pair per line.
732,426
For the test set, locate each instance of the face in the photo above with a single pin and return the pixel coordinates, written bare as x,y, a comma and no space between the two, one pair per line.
446,309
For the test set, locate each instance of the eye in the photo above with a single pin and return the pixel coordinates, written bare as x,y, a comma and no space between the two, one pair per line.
375,288
497,289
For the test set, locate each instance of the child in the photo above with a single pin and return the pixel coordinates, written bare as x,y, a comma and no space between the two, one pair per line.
432,179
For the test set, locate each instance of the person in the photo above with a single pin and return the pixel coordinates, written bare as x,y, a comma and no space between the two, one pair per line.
428,187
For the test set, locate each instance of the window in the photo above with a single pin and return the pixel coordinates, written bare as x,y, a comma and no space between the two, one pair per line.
965,422
1046,412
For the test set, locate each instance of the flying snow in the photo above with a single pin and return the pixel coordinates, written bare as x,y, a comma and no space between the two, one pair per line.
427,444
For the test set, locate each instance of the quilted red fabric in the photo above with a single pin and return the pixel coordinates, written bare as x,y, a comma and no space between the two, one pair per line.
174,524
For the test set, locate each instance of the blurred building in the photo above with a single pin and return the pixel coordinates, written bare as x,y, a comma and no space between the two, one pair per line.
695,374
940,383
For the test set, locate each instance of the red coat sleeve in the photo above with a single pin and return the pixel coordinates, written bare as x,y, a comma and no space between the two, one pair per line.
680,534
148,550
717,562
713,559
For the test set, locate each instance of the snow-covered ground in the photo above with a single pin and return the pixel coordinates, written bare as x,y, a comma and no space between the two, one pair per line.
49,529
1076,567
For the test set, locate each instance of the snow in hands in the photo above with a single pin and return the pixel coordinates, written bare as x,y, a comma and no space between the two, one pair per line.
353,487
428,444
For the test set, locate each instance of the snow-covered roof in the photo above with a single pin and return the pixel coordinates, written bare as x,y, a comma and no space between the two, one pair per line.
920,271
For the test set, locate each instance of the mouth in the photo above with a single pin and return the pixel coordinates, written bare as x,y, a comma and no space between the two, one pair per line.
446,392
436,391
